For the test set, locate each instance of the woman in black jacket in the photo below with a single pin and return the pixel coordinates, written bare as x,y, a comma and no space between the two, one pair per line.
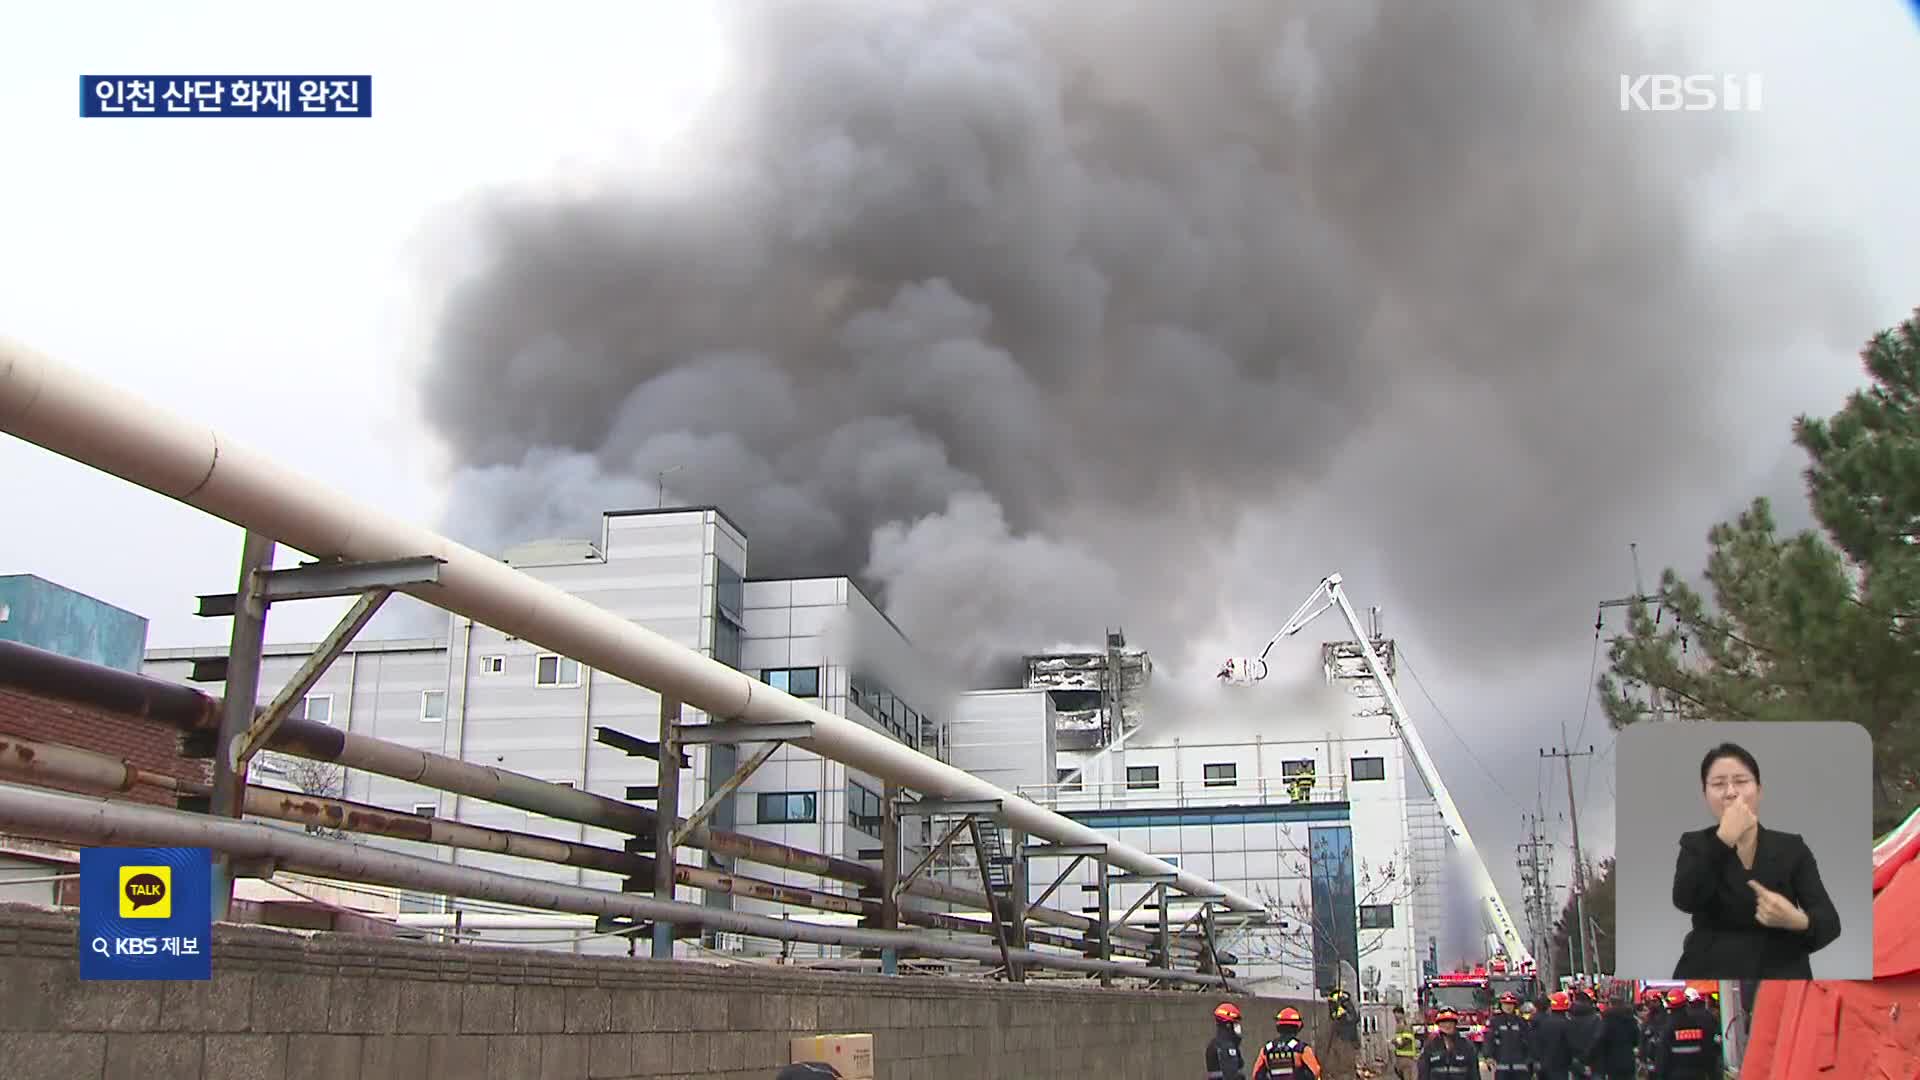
1759,908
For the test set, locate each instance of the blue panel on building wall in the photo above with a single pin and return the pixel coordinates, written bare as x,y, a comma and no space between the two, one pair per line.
1336,930
36,612
1207,815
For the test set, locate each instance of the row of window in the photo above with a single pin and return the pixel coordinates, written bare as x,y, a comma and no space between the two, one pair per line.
551,670
1227,774
864,808
801,682
883,705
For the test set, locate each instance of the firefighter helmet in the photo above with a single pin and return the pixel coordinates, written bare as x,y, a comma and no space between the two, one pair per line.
1288,1016
1561,1002
1509,998
1446,1016
1676,996
1227,1013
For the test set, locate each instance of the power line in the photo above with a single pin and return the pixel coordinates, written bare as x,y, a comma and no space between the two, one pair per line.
1448,724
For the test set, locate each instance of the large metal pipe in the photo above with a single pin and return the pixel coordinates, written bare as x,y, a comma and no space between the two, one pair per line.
103,821
94,422
51,763
61,678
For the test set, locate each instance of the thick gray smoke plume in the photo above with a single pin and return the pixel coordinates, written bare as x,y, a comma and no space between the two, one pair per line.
1016,311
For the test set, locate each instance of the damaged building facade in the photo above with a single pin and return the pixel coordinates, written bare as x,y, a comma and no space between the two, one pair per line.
1319,824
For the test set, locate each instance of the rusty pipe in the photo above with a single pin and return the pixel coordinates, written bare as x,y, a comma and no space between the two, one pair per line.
101,821
110,690
78,682
42,762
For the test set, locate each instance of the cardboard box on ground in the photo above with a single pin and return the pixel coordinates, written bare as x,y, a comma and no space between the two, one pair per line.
852,1055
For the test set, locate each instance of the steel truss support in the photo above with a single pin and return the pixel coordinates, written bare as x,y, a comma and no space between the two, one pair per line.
731,732
988,808
309,672
724,792
1057,882
665,820
242,690
932,854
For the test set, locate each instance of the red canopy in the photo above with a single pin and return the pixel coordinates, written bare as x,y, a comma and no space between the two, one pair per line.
1839,1029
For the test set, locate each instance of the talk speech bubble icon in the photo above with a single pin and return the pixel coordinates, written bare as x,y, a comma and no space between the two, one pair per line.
145,890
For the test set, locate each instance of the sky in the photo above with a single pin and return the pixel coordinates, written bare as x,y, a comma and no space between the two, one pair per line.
326,291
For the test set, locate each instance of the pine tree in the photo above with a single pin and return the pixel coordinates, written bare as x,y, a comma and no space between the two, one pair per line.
1819,625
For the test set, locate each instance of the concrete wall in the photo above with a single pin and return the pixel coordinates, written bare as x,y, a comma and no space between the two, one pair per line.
282,1007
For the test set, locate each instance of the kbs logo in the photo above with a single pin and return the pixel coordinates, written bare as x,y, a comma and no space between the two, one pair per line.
1689,93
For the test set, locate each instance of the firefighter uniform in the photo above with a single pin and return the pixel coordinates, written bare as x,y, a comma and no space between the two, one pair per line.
1286,1058
1689,1049
1406,1052
1224,1061
1449,1056
1509,1042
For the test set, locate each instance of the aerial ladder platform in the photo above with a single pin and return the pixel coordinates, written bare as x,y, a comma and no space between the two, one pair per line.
1246,671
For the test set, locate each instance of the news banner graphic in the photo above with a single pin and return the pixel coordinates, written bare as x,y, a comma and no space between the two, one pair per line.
226,95
146,913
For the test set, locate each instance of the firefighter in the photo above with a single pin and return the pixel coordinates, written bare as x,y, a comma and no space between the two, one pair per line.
1509,1042
1551,1055
1690,1048
1449,1055
1343,1041
1287,1057
1300,785
1617,1057
1652,1026
1406,1046
1583,1033
1224,1061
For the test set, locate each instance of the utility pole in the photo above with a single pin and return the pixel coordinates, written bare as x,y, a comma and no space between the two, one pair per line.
1536,867
1579,861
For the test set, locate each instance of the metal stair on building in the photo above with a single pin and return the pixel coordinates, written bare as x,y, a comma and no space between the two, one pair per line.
996,876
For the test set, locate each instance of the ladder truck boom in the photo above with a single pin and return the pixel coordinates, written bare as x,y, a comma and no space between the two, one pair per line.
1245,671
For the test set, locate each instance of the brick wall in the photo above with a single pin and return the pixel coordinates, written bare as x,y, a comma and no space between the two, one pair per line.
149,746
283,1007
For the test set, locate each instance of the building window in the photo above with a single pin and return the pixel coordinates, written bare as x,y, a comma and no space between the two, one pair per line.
1369,768
729,595
1060,779
1143,777
788,808
727,636
426,809
893,715
317,708
433,706
864,810
802,682
1296,767
1222,774
1376,916
493,665
552,670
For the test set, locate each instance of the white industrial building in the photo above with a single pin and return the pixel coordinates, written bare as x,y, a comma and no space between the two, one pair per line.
1219,805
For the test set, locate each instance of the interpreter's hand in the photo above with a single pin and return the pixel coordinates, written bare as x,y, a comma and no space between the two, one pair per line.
1736,821
1776,911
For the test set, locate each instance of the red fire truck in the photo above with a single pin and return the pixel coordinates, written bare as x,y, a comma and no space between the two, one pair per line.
1465,992
1473,993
